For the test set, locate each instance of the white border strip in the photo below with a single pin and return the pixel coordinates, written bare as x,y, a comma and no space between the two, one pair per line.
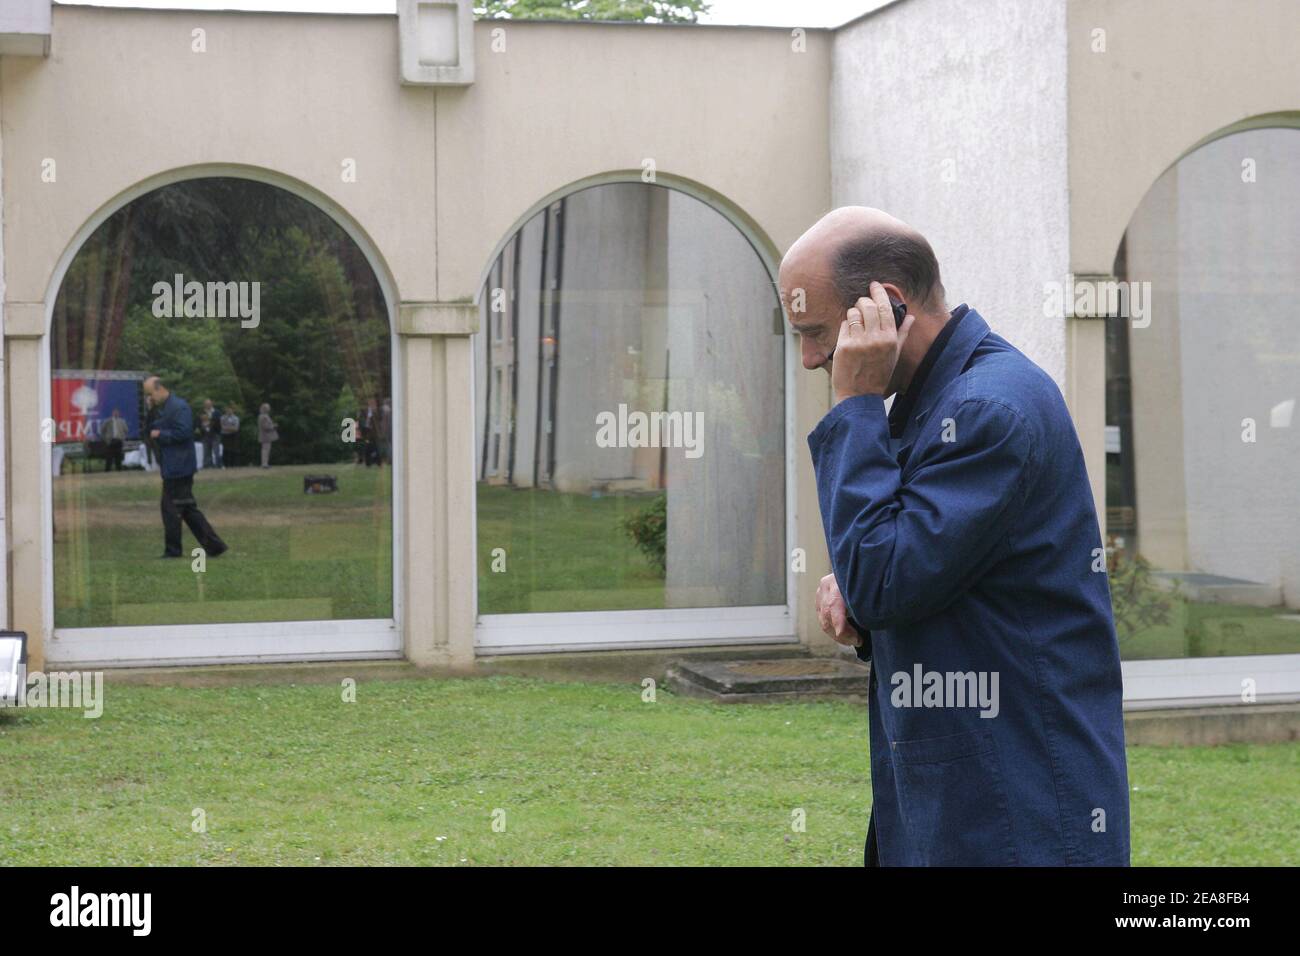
1211,678
563,631
225,643
218,643
624,630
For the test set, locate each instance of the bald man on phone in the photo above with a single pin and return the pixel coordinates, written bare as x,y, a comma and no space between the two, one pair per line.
967,565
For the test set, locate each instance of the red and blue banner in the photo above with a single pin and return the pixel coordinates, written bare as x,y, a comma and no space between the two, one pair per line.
81,402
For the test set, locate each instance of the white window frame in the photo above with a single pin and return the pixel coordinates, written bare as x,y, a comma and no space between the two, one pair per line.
560,631
1195,681
256,642
1176,681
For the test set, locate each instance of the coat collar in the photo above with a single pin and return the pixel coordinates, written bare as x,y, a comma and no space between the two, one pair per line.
966,338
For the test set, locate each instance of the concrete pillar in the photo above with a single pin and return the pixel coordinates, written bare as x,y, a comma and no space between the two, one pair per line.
1156,369
437,537
27,455
1085,395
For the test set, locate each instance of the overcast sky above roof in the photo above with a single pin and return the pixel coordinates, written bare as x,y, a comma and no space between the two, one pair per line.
804,13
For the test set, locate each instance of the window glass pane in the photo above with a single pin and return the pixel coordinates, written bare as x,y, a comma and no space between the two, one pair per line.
1203,446
630,411
281,326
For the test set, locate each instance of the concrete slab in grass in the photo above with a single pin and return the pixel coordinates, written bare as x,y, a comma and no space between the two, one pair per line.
1220,589
1262,723
745,681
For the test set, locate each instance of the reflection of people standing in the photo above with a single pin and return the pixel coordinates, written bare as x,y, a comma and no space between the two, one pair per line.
229,438
113,432
218,450
386,433
359,442
266,433
210,426
174,431
370,433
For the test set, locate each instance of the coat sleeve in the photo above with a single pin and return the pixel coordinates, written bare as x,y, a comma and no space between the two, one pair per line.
176,427
903,551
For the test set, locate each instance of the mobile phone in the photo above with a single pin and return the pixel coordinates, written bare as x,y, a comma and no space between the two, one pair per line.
900,313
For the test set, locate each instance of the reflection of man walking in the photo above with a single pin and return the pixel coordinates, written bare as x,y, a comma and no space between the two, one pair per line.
112,432
174,431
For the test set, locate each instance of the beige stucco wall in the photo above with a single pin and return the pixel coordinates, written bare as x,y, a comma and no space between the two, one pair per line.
1212,502
1173,73
442,177
956,123
1156,368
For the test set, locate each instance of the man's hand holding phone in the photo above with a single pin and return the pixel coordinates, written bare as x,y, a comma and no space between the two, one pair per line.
868,347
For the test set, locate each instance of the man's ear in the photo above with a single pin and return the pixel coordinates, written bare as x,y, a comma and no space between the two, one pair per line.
896,294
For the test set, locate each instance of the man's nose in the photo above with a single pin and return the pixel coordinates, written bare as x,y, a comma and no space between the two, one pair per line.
813,358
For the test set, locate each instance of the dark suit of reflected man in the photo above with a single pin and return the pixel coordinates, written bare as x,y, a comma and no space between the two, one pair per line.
173,430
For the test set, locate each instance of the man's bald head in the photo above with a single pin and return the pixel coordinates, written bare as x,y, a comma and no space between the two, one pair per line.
833,264
850,247
155,389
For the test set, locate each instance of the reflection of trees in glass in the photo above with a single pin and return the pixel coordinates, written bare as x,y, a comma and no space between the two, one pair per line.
323,338
649,529
655,11
628,298
1139,602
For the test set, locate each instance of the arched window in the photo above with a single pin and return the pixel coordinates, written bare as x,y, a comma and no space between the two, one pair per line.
1203,445
268,329
630,376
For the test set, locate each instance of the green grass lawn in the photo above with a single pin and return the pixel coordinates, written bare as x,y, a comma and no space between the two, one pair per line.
564,552
325,557
585,774
292,556
1216,630
329,557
